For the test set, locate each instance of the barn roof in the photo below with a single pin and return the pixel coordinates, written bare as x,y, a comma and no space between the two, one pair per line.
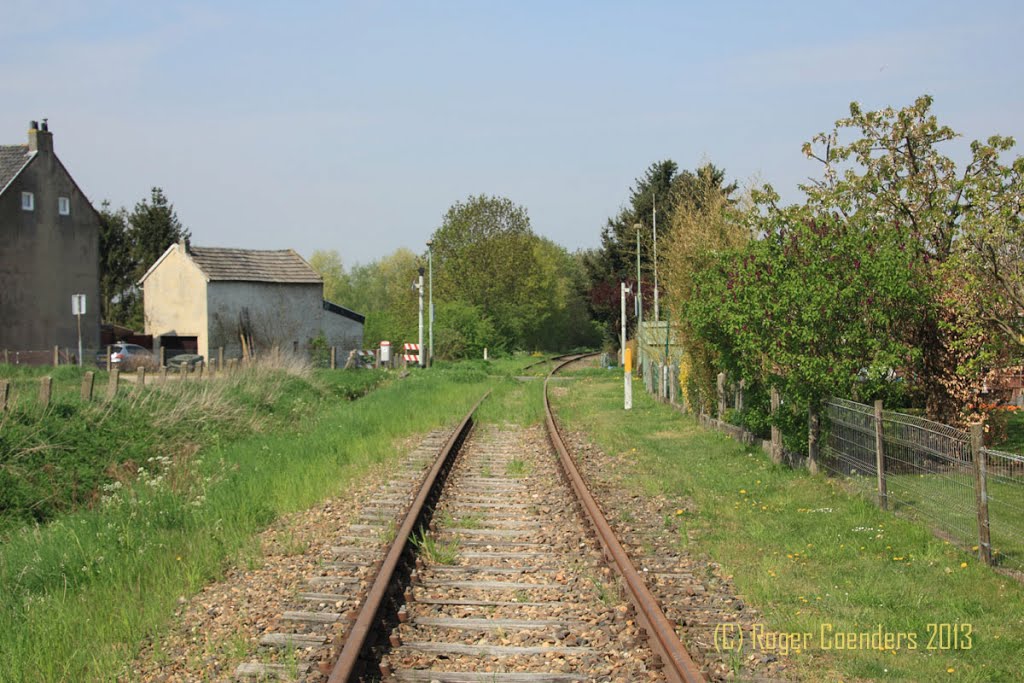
246,265
251,265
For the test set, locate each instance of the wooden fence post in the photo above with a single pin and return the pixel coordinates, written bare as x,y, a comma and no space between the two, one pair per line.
45,390
109,351
163,375
776,402
140,379
5,394
739,395
88,379
883,493
334,358
112,384
220,359
813,438
163,355
56,356
981,494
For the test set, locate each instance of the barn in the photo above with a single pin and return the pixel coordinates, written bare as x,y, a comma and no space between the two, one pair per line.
201,299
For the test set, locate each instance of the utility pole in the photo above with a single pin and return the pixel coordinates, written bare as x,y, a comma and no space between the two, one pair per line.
419,286
430,290
654,216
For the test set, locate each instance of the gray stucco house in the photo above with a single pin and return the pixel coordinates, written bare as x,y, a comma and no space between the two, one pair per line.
49,250
198,299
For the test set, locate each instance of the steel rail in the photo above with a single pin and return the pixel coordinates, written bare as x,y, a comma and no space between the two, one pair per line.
351,659
678,666
551,360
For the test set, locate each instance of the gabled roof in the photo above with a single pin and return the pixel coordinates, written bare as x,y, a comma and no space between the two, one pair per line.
246,265
13,158
251,265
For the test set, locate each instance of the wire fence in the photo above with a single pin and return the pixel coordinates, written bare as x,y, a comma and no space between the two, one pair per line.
929,470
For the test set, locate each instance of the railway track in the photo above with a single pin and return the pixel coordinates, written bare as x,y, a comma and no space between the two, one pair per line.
492,575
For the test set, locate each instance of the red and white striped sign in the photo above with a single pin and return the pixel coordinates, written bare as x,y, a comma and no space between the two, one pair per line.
411,352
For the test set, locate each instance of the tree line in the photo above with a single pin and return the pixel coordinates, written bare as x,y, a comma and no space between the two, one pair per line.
131,242
496,285
898,274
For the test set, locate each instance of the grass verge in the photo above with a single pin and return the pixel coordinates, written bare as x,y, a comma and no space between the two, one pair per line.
79,595
810,556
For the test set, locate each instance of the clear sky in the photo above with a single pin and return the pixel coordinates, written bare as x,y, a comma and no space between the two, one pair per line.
354,125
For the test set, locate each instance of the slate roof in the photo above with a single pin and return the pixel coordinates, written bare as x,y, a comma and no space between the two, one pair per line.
251,265
12,160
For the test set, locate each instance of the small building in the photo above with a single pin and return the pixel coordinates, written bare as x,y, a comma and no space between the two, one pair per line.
199,299
49,250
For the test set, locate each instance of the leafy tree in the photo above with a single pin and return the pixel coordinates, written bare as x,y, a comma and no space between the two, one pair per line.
813,307
963,226
483,256
382,291
328,265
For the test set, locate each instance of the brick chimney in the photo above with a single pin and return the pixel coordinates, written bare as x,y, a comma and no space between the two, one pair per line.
40,139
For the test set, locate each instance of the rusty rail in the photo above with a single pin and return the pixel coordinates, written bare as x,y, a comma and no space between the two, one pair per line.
678,666
358,641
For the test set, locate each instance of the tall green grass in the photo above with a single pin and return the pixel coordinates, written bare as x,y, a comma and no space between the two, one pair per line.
79,595
805,552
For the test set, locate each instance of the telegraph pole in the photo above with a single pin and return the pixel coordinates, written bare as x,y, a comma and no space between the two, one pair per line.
654,216
430,290
419,286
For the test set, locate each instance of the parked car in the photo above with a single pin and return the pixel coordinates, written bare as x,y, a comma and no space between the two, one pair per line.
128,356
184,360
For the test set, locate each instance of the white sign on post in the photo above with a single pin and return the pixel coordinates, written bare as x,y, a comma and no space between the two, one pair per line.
78,310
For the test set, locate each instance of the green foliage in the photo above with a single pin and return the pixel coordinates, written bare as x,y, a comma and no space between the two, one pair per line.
964,227
337,288
810,306
506,287
382,291
662,191
130,243
116,569
483,256
117,292
461,330
897,260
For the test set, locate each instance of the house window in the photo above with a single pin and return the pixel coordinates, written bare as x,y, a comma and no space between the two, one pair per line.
64,206
28,201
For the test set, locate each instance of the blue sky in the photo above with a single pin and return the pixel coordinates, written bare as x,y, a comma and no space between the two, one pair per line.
354,125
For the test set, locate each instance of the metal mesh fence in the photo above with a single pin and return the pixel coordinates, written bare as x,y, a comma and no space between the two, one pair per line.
929,473
1005,488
